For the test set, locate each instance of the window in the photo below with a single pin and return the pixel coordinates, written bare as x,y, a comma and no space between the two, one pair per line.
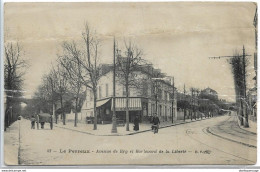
153,109
160,110
159,94
153,90
124,91
106,90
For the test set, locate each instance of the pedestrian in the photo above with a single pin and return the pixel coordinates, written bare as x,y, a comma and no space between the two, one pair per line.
42,125
136,123
156,122
33,122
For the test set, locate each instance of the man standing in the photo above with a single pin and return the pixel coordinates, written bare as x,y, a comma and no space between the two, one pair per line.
136,123
33,122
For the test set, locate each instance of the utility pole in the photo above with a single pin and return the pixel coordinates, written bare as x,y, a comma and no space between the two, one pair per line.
114,129
172,97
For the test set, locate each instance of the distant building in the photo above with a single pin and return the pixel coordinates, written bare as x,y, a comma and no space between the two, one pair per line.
142,98
209,93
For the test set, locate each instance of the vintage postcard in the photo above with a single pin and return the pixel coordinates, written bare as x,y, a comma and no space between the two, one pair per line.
133,83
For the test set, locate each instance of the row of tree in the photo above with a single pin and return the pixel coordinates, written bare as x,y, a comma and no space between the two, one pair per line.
75,69
198,101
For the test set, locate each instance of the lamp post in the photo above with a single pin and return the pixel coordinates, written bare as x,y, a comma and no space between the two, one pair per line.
114,127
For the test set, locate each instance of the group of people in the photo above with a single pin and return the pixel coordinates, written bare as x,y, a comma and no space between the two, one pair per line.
155,122
33,121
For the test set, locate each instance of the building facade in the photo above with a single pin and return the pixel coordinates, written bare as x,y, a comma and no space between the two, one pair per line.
151,95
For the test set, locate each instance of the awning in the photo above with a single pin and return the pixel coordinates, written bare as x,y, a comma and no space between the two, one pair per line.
90,105
101,102
133,104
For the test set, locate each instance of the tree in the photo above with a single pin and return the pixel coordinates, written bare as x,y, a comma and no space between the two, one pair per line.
71,63
90,64
61,86
82,66
46,96
127,68
194,100
14,70
238,68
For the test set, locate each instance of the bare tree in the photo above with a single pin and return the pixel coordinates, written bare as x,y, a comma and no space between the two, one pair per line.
82,65
47,95
127,67
14,70
71,63
61,81
43,97
90,64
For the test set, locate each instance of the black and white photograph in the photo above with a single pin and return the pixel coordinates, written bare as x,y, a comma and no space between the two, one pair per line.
129,83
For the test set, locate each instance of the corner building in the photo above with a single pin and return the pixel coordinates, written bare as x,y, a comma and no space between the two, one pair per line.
153,89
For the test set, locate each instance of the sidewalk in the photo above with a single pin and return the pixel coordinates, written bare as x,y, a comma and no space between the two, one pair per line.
105,129
252,126
11,144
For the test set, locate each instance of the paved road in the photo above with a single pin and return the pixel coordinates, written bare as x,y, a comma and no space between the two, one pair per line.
213,141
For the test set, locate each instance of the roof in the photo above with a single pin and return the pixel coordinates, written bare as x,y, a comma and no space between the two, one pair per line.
146,69
209,89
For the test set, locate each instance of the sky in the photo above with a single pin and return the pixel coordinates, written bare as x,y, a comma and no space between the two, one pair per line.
176,37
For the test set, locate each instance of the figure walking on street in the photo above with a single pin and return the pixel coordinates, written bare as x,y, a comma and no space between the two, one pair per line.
33,122
136,123
156,122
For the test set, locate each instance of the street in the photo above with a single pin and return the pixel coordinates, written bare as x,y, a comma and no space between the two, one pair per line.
216,140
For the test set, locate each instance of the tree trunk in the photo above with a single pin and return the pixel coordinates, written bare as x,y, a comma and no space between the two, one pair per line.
95,109
246,125
127,108
76,113
62,111
56,118
241,116
184,114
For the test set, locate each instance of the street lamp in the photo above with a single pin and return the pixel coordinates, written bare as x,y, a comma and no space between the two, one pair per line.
114,127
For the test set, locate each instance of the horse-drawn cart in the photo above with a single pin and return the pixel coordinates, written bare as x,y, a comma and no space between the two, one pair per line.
43,118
